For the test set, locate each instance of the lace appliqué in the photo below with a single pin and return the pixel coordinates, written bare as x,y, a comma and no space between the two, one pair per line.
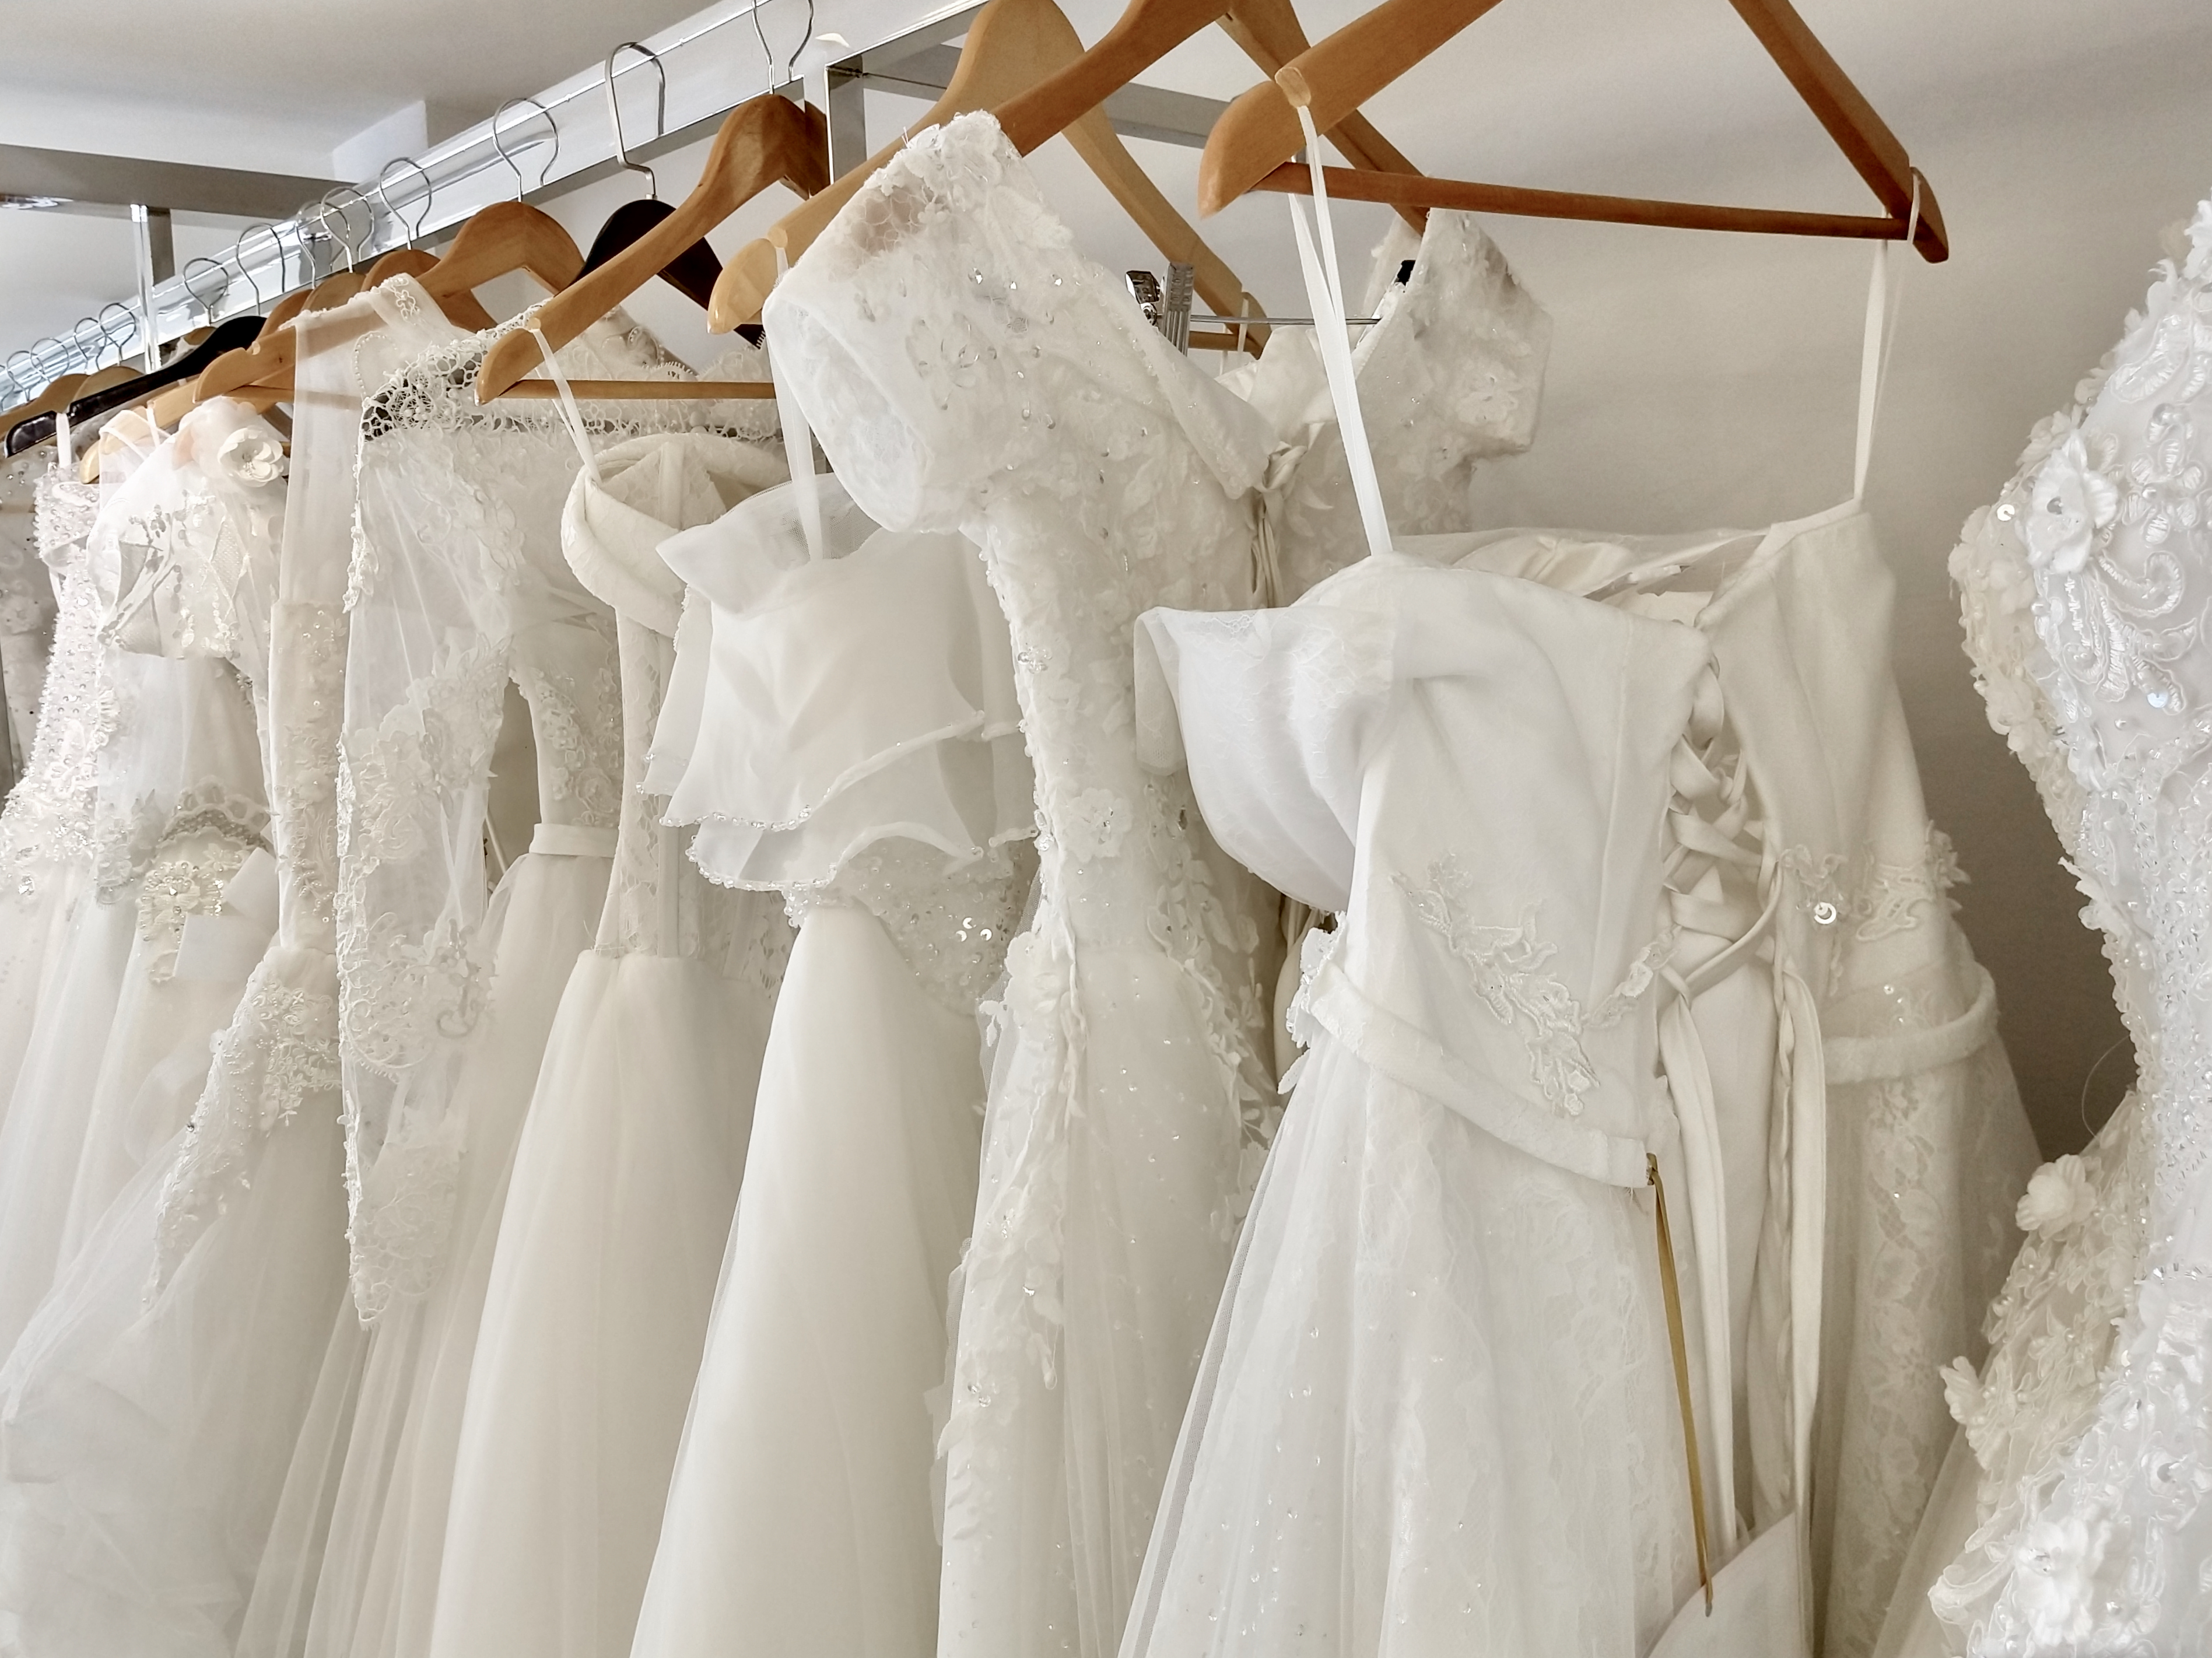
952,927
1506,968
280,1048
176,888
579,764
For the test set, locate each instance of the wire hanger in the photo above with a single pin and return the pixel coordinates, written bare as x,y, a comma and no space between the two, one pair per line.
766,140
1012,45
1252,145
693,270
1267,31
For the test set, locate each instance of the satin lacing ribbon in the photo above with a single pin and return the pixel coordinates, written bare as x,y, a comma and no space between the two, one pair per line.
1723,889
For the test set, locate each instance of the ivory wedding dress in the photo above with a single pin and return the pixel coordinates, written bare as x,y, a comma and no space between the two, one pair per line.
851,739
626,1172
457,589
969,370
147,1415
26,603
179,559
2074,1517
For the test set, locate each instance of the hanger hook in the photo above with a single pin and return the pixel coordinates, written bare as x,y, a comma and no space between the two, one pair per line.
207,306
544,172
768,51
660,111
122,342
347,237
88,354
382,187
238,252
321,208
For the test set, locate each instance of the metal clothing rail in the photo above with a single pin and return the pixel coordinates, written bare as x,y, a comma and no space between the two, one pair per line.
545,146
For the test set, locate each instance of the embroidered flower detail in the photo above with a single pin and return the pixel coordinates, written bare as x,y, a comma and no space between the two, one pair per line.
1038,979
253,455
1962,1392
2054,1564
2059,1195
1508,968
2198,266
2070,503
1097,822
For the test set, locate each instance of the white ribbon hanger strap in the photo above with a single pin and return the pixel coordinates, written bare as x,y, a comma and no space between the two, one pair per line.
1874,348
1325,291
570,414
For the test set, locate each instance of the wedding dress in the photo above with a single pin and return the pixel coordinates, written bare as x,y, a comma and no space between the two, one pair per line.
842,725
1926,1126
458,588
2074,1517
969,370
148,1416
27,603
626,1172
180,551
46,826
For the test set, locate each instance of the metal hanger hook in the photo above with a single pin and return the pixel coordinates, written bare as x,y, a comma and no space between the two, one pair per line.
122,342
207,306
382,187
554,155
791,65
237,253
343,235
88,354
660,111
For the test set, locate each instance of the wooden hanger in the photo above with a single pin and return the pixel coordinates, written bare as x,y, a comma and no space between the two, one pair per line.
86,407
1011,46
765,141
58,392
1259,133
1269,34
334,290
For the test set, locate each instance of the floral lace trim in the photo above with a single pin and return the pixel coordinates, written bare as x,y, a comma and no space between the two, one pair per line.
579,764
304,780
1506,968
402,992
952,927
175,889
280,1048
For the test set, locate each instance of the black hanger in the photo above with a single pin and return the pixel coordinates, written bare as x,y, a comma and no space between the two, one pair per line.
230,334
691,273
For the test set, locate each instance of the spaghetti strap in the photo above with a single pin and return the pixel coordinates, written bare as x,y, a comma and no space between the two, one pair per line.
1875,347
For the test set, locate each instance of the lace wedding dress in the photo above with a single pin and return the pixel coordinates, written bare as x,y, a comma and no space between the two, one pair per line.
2081,1524
852,740
46,826
179,559
27,603
457,589
149,1413
1130,1101
626,1173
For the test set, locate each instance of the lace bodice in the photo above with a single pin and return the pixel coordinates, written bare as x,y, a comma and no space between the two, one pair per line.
48,820
1041,414
2083,588
1451,375
852,735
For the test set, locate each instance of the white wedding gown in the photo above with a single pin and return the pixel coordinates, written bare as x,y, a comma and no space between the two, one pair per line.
967,370
627,1171
148,1414
2073,1518
458,588
46,826
844,729
27,603
180,557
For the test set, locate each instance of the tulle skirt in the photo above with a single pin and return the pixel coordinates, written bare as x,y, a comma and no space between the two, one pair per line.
352,1570
144,1437
34,921
800,1517
43,1139
1437,1413
617,1213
